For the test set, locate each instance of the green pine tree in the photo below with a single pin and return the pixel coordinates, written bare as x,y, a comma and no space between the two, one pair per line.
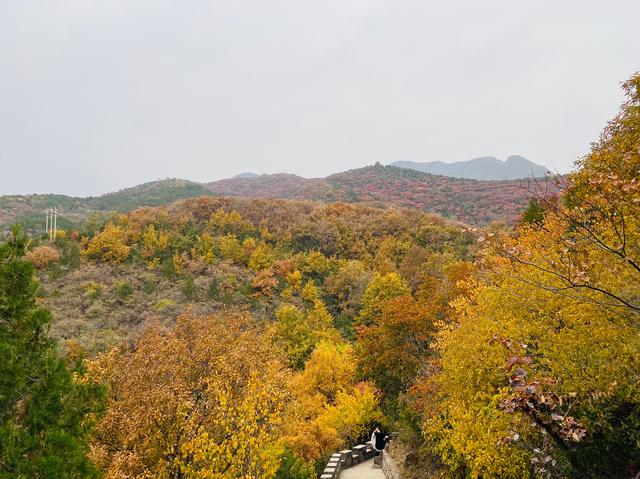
45,415
534,212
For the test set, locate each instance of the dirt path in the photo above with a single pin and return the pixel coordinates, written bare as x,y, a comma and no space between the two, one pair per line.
362,471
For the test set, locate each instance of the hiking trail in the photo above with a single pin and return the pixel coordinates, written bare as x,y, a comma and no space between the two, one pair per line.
362,471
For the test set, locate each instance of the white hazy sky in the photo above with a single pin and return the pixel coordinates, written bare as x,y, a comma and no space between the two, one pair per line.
97,95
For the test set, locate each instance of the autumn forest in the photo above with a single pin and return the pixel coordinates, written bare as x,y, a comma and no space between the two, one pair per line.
224,337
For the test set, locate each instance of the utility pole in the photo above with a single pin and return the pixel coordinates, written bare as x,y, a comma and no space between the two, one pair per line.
51,225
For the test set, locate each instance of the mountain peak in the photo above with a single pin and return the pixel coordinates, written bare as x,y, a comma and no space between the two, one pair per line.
482,168
247,174
518,159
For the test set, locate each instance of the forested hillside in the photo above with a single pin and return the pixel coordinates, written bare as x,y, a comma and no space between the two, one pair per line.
300,279
29,210
226,338
215,252
470,201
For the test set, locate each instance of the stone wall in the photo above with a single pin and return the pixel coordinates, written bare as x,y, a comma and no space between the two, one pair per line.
346,459
389,467
350,457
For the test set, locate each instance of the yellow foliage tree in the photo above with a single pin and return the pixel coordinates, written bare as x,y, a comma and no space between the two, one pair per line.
298,333
310,292
321,323
152,242
390,254
230,248
330,368
330,410
204,400
538,374
315,264
294,279
109,245
222,223
353,413
293,334
382,288
205,248
261,258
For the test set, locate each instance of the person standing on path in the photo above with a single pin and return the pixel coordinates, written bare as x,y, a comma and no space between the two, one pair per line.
378,443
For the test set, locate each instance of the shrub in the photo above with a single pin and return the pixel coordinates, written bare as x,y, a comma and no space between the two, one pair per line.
92,290
56,293
149,286
230,248
168,268
164,304
43,256
261,258
123,290
227,298
293,467
55,271
71,255
228,288
189,288
213,289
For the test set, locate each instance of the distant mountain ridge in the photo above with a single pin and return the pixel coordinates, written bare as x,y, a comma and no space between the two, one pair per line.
485,168
466,200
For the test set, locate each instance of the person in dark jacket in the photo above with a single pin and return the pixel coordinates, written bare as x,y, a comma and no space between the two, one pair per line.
378,442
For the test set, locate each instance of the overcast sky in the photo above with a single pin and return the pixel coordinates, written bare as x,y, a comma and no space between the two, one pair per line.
97,95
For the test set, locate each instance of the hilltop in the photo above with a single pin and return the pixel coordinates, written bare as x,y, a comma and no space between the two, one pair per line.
483,168
279,185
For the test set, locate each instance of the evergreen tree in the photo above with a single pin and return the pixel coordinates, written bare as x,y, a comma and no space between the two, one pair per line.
534,212
46,410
